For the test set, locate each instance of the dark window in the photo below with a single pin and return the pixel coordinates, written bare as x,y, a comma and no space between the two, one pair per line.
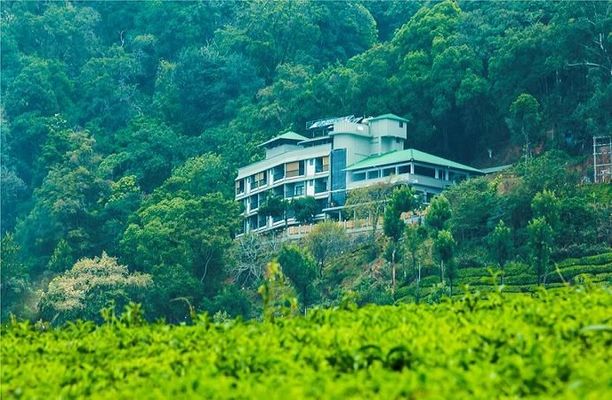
299,189
401,124
240,186
388,171
358,176
373,174
424,171
403,169
322,164
320,185
278,172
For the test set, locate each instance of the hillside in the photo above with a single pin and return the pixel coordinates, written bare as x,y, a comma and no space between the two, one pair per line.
123,125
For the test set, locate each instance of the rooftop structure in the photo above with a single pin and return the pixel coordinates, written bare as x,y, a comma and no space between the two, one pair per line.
342,154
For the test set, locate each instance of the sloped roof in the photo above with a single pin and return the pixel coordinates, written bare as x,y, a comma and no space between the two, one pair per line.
499,168
395,157
388,116
286,136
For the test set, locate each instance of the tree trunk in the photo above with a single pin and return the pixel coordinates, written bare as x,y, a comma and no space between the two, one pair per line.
393,272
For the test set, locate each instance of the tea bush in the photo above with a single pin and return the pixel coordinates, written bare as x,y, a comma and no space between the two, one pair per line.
548,344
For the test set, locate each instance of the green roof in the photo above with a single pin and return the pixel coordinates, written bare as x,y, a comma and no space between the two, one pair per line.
388,116
286,136
396,157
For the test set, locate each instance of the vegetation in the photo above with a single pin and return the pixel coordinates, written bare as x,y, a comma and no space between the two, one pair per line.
551,344
123,123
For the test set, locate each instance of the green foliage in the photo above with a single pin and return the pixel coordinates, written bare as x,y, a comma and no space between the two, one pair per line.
89,285
438,214
326,240
444,248
524,121
300,268
305,209
113,108
15,283
500,245
550,344
540,246
273,206
402,200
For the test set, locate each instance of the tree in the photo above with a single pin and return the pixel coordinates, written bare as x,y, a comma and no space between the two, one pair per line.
90,285
275,207
402,200
369,202
438,214
300,268
500,246
15,284
444,247
182,236
414,238
524,121
326,240
540,246
305,209
251,253
546,204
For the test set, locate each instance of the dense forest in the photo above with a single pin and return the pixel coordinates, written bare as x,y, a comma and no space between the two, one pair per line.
123,123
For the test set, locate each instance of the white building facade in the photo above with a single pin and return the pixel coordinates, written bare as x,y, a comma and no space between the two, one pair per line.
339,155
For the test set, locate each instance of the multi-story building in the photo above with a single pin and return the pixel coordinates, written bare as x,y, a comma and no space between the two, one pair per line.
339,155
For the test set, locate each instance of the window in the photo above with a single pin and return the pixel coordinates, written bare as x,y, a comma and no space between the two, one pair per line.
240,186
424,171
373,174
259,179
298,190
294,169
401,124
388,171
403,169
278,172
254,202
358,176
322,164
321,185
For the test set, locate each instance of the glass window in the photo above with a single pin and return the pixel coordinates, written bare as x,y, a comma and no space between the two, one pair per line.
240,186
321,185
298,190
358,176
322,164
388,171
373,174
403,169
424,171
401,124
293,169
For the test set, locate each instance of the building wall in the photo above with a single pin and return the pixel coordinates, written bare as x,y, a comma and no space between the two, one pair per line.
388,127
357,147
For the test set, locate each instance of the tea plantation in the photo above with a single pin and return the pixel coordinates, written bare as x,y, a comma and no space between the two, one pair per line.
550,344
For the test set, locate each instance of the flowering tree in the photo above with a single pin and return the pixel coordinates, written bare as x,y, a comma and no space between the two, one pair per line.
90,285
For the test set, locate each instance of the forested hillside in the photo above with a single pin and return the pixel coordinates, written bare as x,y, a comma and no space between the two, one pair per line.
123,124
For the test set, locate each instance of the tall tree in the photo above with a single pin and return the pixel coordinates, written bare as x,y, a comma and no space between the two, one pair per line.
500,246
